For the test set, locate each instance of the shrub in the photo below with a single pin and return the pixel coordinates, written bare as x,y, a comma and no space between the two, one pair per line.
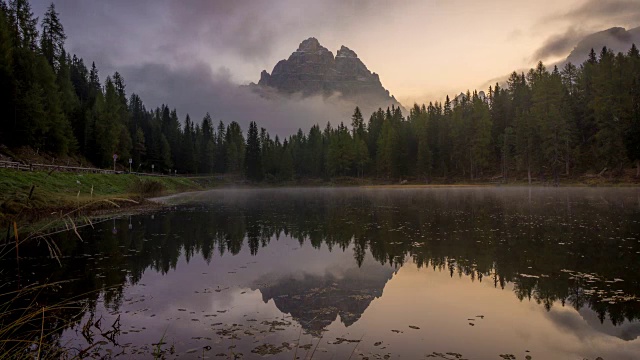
147,187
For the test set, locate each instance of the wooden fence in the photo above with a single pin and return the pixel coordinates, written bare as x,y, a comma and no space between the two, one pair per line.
76,169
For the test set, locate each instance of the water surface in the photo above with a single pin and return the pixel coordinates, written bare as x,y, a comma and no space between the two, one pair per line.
473,273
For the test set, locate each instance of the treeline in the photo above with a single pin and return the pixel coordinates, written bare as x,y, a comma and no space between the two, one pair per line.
543,124
54,103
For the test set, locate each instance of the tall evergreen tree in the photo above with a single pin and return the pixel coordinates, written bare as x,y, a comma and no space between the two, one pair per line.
235,147
220,149
206,146
52,37
340,156
253,161
24,24
632,136
316,160
387,150
187,155
7,86
357,124
547,102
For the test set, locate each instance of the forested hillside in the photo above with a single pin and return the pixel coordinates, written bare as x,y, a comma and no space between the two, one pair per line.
546,123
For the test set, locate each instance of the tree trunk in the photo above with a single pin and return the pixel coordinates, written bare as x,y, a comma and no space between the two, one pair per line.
506,167
529,173
566,159
471,164
637,168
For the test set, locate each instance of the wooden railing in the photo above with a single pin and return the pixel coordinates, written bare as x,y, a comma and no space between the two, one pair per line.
77,169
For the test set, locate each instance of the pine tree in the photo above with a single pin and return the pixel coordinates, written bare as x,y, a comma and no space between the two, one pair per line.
235,147
206,146
481,137
361,155
94,81
171,130
221,149
418,117
187,155
340,156
285,172
24,25
141,129
570,111
52,38
387,150
106,130
68,98
376,121
632,135
139,147
165,154
357,124
608,118
547,102
316,159
7,86
267,155
253,161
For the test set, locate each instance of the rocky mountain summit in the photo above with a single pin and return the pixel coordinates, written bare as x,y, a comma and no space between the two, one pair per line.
313,70
616,39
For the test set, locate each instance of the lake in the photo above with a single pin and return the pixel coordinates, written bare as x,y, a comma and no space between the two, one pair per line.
354,273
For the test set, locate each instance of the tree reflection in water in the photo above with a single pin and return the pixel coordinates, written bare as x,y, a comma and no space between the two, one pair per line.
568,247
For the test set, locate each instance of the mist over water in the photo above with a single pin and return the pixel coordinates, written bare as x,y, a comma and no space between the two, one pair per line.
410,273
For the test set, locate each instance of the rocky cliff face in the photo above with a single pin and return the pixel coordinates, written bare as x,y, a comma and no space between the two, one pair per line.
616,39
313,70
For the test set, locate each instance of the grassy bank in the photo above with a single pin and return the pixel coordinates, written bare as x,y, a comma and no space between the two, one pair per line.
25,194
28,195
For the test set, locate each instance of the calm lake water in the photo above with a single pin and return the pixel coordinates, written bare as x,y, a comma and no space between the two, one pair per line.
444,273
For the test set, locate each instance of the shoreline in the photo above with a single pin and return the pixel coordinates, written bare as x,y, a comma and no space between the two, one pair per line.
35,197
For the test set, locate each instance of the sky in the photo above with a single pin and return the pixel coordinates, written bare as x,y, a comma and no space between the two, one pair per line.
192,54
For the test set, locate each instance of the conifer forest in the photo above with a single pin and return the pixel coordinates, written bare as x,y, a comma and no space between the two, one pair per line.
543,124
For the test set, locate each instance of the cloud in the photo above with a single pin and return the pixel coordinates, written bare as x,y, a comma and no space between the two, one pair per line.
620,11
594,15
558,45
174,31
198,90
588,18
168,52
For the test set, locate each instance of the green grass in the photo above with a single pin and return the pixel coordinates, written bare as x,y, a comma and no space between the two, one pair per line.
65,186
57,190
40,193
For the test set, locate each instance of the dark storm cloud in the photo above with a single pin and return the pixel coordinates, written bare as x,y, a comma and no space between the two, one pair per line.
558,45
246,28
197,90
589,18
616,10
176,30
166,50
253,28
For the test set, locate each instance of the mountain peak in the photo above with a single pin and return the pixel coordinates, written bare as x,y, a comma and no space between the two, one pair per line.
310,45
346,52
313,70
616,39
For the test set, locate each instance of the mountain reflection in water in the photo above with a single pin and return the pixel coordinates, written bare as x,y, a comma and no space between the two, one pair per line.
351,263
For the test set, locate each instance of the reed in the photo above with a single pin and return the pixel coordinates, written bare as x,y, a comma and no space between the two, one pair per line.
22,317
